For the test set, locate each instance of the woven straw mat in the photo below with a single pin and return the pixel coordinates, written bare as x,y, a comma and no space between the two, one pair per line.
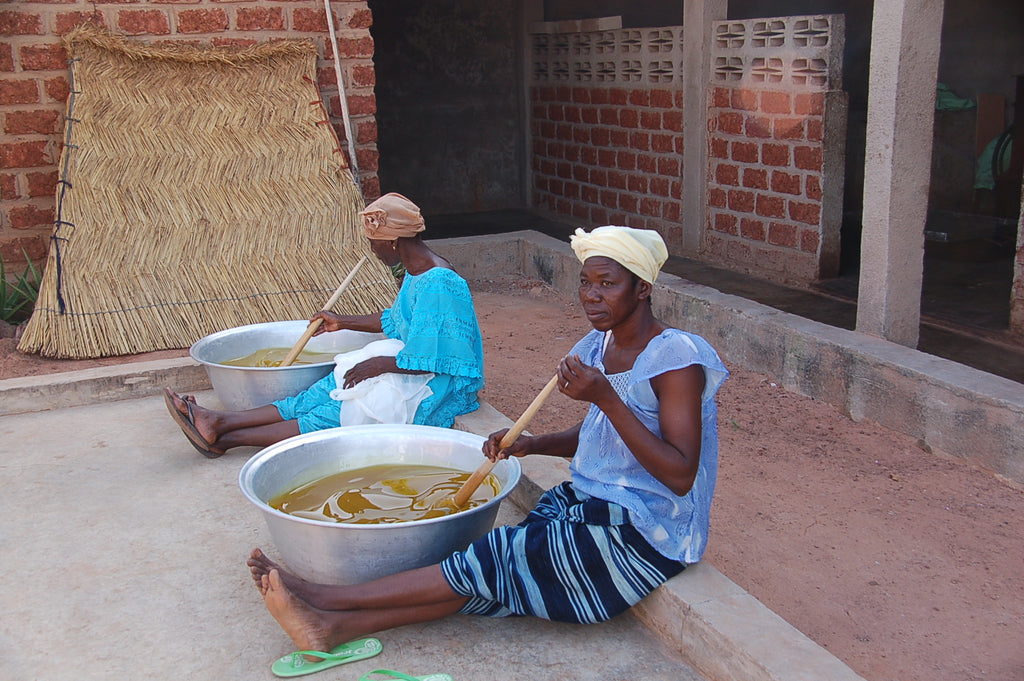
201,189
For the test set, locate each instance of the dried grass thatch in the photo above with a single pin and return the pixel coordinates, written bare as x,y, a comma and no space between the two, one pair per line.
201,189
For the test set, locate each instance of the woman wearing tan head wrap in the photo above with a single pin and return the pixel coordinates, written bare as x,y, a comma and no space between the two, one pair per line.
644,461
392,216
432,316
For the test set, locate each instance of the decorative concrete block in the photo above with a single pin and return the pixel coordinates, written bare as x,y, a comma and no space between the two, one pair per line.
804,52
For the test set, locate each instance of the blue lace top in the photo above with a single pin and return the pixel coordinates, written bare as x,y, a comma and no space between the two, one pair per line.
433,315
603,467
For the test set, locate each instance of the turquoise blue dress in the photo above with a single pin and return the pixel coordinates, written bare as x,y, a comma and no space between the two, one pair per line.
434,316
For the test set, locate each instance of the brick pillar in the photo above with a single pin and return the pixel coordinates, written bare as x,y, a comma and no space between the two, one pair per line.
777,135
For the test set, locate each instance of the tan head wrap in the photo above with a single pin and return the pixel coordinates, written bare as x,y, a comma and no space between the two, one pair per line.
392,216
641,251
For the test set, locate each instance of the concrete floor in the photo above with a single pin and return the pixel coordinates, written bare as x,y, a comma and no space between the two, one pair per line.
124,558
124,555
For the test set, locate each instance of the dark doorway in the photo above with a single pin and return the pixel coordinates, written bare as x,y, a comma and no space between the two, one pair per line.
450,128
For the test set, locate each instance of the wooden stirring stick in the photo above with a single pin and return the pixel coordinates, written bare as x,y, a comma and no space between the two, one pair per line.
466,491
314,325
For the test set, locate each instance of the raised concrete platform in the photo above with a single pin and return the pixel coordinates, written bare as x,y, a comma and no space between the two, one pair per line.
95,538
123,552
714,625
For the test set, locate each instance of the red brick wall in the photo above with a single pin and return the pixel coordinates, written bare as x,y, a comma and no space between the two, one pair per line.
765,180
34,83
609,156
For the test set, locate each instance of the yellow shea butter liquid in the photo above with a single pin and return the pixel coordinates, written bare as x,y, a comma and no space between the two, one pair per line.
272,357
382,494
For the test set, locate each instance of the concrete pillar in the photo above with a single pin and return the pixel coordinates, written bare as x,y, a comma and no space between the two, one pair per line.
905,39
1017,290
697,18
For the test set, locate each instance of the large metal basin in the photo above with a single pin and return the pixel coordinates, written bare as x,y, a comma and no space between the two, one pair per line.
247,387
340,553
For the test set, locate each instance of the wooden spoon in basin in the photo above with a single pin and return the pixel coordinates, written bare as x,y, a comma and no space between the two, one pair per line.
459,499
314,325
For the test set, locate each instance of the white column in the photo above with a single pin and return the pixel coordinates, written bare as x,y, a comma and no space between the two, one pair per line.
905,39
697,18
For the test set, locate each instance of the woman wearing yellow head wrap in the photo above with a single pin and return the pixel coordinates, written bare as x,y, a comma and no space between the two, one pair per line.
641,251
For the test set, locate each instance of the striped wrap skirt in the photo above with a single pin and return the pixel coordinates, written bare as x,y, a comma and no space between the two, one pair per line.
575,558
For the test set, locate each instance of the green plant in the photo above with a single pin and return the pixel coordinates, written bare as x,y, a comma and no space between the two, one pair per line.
18,297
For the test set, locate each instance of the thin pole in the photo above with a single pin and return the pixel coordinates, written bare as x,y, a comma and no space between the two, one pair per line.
342,96
314,325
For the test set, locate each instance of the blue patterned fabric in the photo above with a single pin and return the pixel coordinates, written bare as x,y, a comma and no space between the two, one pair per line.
603,466
433,315
573,559
313,408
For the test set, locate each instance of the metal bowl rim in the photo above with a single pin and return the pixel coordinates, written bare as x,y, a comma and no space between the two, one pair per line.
230,332
267,452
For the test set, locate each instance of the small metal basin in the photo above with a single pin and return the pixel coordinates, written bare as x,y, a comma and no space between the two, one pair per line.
340,553
240,388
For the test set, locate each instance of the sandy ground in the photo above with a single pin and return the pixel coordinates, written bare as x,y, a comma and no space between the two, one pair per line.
904,563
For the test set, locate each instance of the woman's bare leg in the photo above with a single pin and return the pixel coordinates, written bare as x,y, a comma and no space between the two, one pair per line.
424,586
312,628
258,436
223,430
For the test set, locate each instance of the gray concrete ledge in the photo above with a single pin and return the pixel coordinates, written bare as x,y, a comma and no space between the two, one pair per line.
102,384
948,406
711,622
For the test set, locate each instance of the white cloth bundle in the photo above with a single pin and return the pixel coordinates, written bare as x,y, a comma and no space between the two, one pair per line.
388,398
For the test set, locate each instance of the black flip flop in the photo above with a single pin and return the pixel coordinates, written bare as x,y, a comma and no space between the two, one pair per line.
188,426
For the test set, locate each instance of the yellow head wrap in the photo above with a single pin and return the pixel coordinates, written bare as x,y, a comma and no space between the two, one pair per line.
392,216
641,251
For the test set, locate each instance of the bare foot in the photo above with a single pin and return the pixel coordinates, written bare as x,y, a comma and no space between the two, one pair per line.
260,566
307,627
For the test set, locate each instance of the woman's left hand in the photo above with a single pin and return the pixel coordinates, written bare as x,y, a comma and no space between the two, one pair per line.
579,381
369,368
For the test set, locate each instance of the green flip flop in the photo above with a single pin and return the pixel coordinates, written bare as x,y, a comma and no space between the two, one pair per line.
390,673
296,663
